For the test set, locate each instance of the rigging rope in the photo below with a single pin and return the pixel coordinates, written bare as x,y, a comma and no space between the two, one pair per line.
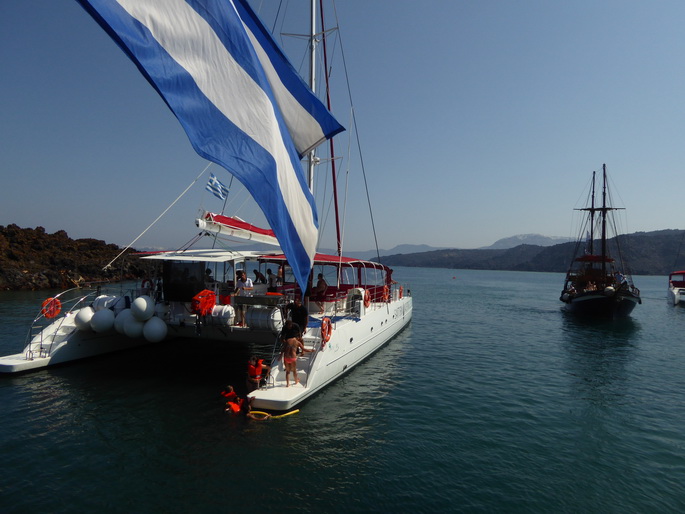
109,264
356,131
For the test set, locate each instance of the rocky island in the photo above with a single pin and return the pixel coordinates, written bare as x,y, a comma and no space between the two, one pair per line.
32,259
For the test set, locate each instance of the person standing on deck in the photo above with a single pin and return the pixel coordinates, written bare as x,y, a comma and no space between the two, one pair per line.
319,292
290,348
271,282
243,287
299,314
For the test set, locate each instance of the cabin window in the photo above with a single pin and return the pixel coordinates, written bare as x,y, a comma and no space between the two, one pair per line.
183,280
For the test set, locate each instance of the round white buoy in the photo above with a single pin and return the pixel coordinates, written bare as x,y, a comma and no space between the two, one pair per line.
82,318
108,302
133,328
155,330
102,321
223,314
143,308
120,320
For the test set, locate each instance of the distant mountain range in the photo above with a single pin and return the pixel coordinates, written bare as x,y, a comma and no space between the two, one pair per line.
526,239
647,253
501,244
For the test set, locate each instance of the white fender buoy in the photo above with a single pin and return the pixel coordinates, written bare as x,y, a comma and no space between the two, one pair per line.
155,330
108,302
120,320
143,308
102,321
223,314
82,318
133,328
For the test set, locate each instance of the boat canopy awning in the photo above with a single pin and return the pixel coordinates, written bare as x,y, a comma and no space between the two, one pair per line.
219,255
594,258
322,259
209,255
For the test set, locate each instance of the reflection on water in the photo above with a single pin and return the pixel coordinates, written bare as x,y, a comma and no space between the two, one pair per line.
598,352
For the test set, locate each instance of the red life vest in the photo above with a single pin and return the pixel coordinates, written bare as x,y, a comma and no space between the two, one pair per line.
255,371
236,405
203,303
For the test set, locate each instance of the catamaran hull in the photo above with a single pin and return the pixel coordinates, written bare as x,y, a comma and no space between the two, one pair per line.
602,306
78,344
75,346
353,340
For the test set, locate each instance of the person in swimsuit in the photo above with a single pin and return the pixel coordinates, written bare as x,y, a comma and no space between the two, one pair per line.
291,345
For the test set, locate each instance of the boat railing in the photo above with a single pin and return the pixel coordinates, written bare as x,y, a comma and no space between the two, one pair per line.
344,301
69,301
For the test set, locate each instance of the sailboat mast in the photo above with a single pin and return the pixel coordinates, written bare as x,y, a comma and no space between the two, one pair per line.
604,219
312,82
592,217
334,178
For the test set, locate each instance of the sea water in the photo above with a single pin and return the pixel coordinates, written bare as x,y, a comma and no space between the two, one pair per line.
493,399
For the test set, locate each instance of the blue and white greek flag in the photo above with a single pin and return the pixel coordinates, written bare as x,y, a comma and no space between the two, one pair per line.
215,187
237,97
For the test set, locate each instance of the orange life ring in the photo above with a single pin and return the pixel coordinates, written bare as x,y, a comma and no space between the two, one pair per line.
326,329
401,292
367,298
386,294
146,284
51,307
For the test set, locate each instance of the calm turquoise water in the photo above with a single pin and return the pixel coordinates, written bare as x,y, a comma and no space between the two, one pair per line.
492,400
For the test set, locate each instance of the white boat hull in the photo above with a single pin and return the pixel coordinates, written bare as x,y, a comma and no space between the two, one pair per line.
62,342
352,341
676,295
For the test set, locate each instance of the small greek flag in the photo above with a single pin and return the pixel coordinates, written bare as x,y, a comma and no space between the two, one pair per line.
215,187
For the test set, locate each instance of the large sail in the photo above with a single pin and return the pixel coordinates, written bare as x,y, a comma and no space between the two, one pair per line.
236,97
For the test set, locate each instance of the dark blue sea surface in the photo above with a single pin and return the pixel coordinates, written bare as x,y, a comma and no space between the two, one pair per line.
492,400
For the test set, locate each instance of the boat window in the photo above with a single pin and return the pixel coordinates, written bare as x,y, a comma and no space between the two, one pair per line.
183,280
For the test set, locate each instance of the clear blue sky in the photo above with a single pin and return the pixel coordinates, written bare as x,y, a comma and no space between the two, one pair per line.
478,121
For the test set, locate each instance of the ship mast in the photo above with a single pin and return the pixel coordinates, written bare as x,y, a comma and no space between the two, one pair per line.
313,160
592,217
312,83
604,219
